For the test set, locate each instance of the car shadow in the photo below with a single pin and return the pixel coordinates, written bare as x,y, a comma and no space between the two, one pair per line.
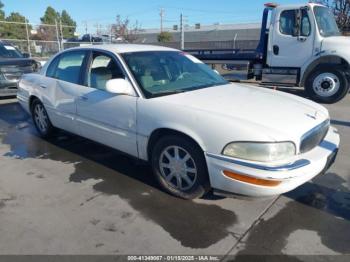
119,175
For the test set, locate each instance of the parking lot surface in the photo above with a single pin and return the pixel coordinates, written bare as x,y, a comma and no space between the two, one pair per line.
69,195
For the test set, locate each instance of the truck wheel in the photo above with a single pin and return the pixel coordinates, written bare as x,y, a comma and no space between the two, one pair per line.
327,84
180,167
41,119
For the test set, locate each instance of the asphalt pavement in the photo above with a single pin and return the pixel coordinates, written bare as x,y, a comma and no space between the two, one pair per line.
69,195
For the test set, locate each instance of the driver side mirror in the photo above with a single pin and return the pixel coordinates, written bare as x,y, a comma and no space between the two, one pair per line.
26,55
120,86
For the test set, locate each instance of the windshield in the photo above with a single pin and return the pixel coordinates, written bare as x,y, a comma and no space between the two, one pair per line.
326,22
161,73
9,51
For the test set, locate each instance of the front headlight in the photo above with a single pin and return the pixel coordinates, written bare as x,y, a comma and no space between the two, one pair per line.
261,152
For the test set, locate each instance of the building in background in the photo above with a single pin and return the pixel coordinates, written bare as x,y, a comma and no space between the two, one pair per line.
217,36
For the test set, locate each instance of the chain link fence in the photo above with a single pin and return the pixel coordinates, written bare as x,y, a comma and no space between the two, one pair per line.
41,41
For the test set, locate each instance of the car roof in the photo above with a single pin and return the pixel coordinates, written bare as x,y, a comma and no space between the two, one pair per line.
125,48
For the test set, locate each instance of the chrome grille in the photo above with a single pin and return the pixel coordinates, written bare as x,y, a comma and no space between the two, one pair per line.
314,137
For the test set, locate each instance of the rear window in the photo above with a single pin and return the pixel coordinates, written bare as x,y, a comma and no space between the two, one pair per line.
67,67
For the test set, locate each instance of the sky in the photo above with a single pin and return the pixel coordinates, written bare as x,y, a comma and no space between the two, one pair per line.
146,12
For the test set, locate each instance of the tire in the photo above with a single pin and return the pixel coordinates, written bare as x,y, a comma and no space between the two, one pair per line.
327,84
166,165
41,119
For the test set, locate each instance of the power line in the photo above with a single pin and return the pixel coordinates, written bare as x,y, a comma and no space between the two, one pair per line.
199,10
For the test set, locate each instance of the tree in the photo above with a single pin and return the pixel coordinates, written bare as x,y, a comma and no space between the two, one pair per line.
50,16
15,31
2,18
68,25
47,31
341,11
123,30
2,13
165,37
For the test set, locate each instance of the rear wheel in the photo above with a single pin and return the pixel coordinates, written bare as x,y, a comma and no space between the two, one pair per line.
180,167
41,119
327,84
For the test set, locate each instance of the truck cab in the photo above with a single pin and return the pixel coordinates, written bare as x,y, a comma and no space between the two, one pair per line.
300,45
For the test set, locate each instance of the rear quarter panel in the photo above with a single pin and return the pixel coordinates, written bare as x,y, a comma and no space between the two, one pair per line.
30,85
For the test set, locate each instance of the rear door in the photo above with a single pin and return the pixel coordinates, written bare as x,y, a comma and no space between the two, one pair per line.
63,79
102,116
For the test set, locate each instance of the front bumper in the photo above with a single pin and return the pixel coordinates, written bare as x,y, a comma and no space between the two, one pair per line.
292,175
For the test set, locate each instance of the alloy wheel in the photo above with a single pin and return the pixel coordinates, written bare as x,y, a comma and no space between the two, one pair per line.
41,118
178,167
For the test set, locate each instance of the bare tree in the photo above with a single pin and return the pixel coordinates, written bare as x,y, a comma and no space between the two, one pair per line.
123,29
341,10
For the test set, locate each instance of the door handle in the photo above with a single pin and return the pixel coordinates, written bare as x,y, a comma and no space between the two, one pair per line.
84,98
43,86
276,49
302,38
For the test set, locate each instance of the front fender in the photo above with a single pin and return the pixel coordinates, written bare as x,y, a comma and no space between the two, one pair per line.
212,132
324,57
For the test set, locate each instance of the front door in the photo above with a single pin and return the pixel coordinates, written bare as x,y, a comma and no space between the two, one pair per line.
102,116
286,48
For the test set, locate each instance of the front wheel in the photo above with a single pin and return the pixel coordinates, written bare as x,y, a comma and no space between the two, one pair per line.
327,84
180,167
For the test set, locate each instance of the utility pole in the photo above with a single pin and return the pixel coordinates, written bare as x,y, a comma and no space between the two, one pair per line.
28,41
161,19
57,36
182,37
61,31
110,34
86,26
86,31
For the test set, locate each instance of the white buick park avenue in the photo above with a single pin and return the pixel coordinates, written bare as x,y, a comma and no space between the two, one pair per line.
197,131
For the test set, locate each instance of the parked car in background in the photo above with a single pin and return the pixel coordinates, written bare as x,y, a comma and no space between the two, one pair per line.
87,38
13,64
197,131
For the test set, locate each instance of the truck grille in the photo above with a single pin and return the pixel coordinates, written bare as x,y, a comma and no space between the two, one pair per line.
314,137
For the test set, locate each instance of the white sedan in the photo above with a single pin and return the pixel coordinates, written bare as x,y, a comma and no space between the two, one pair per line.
197,131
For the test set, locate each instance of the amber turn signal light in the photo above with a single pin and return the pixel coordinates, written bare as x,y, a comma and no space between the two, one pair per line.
252,180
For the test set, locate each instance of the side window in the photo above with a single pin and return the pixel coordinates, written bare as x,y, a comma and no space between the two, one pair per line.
50,72
305,29
287,22
102,69
67,67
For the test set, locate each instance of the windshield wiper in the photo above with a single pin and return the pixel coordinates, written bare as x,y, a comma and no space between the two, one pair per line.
166,93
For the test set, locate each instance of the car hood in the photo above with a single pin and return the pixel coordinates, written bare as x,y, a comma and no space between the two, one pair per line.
288,115
335,43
